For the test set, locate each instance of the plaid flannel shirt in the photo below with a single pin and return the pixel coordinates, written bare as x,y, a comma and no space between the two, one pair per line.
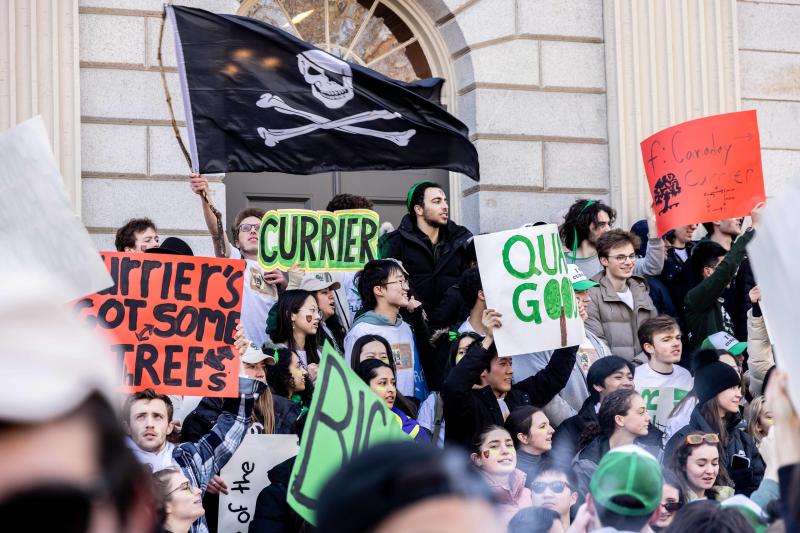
200,461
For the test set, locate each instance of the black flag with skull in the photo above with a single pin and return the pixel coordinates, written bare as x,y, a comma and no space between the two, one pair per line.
258,99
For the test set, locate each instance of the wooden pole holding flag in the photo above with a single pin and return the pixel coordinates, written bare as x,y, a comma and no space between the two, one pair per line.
219,240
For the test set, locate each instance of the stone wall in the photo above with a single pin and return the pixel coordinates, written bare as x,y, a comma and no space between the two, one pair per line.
131,165
769,73
531,86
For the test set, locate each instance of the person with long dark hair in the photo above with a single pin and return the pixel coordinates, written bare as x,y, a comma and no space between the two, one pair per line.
298,322
493,453
289,380
622,420
697,463
381,378
673,497
533,437
371,347
718,392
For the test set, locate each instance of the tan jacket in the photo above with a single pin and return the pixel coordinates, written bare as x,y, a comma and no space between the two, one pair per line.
759,351
612,321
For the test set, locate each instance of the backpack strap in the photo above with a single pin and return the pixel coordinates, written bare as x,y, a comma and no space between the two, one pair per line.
438,418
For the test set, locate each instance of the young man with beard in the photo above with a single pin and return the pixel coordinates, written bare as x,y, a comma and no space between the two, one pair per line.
467,410
261,286
587,221
137,235
621,303
661,382
432,248
384,289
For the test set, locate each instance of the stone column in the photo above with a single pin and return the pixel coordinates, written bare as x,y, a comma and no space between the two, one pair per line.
39,76
667,61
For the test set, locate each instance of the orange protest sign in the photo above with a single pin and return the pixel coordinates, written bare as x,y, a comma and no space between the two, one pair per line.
704,170
171,320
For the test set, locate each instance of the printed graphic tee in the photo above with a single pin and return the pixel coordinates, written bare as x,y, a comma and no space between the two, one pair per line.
661,392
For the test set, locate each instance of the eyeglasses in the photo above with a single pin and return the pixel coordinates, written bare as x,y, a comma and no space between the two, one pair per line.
697,438
185,486
247,228
671,507
402,282
624,258
555,486
314,312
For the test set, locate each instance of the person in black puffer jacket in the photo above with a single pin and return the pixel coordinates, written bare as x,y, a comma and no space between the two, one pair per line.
432,248
718,391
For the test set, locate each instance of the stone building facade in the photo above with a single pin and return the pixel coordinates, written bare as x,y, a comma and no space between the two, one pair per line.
557,95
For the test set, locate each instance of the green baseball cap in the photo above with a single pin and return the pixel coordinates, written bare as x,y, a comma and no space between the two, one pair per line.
724,341
627,471
578,279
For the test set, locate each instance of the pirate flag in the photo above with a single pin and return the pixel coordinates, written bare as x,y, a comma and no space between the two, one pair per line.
259,99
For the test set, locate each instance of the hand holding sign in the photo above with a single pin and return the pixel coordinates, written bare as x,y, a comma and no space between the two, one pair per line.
704,170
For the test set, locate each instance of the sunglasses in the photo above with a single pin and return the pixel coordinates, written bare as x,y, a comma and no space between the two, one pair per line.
697,438
247,228
671,507
555,486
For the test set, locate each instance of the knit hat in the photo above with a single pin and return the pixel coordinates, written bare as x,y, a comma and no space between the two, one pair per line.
712,376
627,471
601,369
725,342
388,478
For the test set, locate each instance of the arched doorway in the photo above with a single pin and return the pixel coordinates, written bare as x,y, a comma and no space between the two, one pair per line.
384,35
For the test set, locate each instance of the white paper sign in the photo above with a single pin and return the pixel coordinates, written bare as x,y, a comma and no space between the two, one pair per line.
524,277
774,254
37,224
246,474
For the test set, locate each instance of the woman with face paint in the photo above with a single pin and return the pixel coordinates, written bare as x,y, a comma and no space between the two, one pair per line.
288,379
533,437
494,454
383,381
298,321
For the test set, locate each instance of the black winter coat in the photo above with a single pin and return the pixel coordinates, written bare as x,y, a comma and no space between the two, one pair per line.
273,513
745,479
568,434
430,277
467,411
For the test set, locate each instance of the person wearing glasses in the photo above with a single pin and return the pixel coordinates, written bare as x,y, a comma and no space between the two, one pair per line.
384,289
672,499
261,287
621,302
298,322
180,504
554,487
696,461
717,386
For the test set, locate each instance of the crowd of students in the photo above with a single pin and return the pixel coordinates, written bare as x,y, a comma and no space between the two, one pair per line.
665,418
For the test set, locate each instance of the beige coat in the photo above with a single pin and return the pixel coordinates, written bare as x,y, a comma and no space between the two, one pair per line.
759,351
612,321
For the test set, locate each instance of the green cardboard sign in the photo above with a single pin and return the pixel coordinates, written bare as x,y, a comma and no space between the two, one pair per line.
318,240
345,419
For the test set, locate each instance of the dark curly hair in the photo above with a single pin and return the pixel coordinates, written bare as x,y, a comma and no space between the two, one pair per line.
344,201
279,376
579,218
126,235
616,403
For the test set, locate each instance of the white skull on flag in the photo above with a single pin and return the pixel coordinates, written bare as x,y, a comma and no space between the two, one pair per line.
330,78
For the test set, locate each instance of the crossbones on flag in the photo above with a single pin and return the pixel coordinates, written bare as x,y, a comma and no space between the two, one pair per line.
259,99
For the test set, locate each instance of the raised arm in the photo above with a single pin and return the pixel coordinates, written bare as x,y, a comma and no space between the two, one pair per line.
199,185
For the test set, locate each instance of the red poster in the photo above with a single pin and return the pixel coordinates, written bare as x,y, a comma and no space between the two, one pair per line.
171,320
704,170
